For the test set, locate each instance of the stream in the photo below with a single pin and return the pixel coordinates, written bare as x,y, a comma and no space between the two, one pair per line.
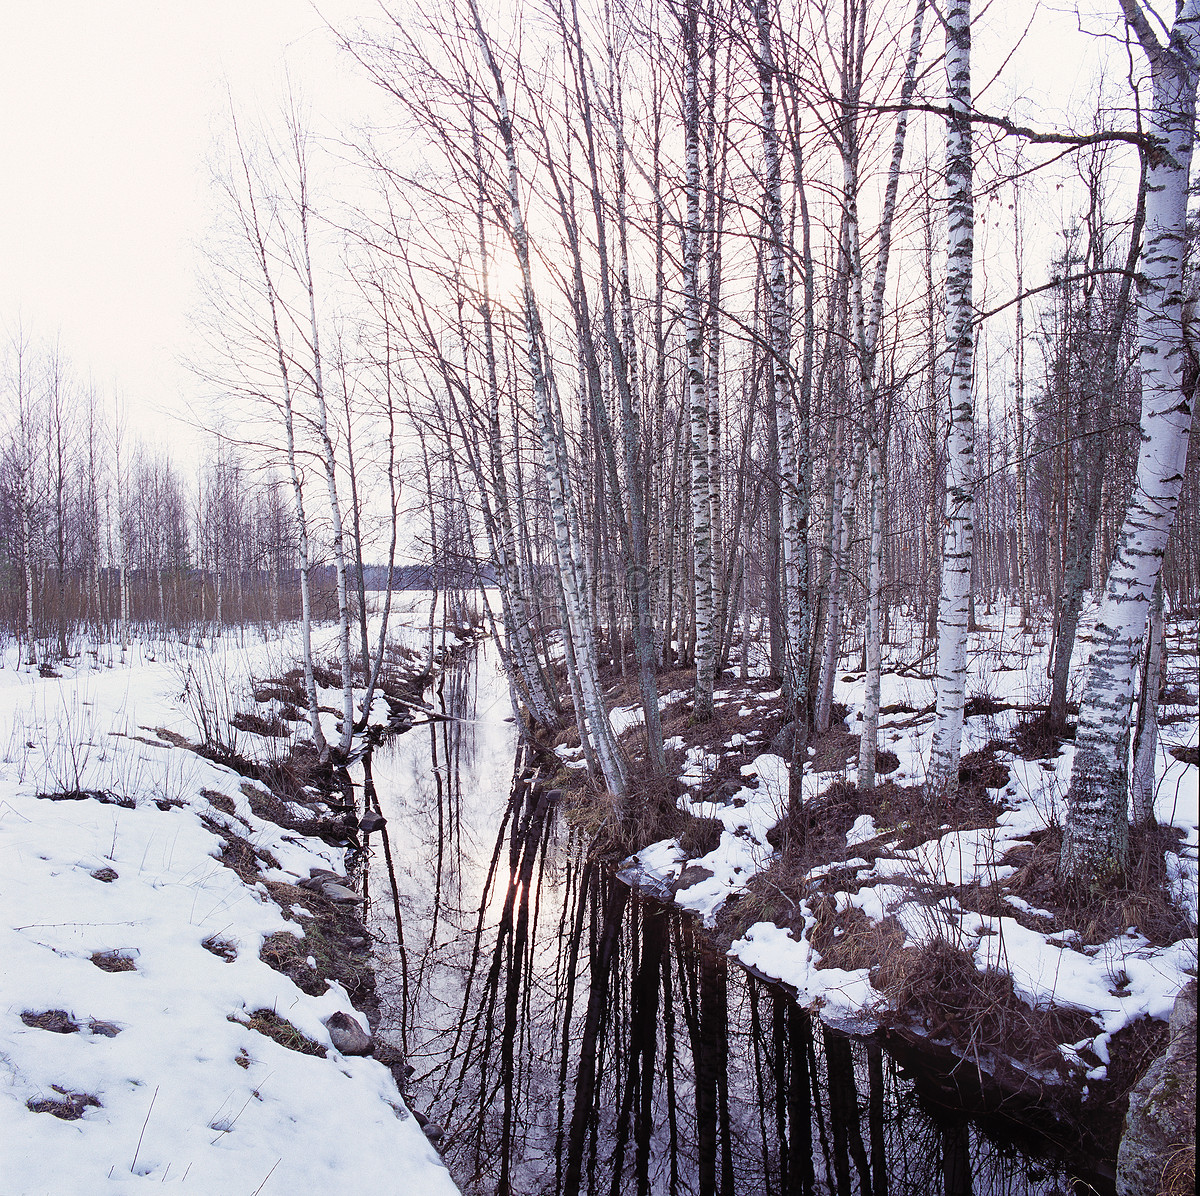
571,1036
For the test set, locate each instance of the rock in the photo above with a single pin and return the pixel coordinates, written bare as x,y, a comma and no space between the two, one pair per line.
693,874
341,894
371,821
1160,1127
321,874
107,875
348,1036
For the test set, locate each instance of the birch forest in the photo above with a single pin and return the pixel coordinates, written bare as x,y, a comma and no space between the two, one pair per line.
702,336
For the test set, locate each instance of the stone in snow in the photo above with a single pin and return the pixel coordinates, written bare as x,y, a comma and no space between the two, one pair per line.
348,1036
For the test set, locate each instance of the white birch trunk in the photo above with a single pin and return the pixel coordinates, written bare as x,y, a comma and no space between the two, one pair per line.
1095,837
958,533
867,329
698,406
793,536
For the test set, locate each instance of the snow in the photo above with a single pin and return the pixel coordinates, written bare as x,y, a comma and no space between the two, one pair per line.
189,1096
772,951
1114,982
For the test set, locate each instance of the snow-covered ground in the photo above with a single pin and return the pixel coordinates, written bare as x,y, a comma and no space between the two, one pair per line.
1115,982
131,961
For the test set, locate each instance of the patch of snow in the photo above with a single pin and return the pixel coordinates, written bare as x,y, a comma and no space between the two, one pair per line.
862,830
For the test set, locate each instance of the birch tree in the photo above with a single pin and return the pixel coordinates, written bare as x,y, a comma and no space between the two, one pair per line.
245,201
572,569
958,530
1095,837
793,451
868,322
697,393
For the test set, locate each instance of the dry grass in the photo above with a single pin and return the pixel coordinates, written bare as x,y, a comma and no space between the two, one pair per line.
219,801
70,1106
939,988
615,828
103,796
57,1021
1140,898
270,727
1039,738
1179,1175
333,938
238,853
268,1022
222,948
113,961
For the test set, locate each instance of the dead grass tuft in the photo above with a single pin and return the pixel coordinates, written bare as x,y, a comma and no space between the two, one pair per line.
1140,899
1179,1175
284,952
222,948
979,771
615,828
700,836
70,1107
272,727
114,961
1038,738
837,749
979,1012
238,853
57,1021
333,938
219,801
268,1022
104,796
852,941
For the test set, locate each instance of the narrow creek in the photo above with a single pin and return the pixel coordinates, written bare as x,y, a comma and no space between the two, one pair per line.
570,1036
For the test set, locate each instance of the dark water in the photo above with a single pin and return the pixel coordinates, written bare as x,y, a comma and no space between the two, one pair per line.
573,1037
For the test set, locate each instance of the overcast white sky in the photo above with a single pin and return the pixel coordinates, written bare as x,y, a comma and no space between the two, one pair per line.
111,109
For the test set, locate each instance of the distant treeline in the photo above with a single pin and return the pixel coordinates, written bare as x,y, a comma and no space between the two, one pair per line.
419,577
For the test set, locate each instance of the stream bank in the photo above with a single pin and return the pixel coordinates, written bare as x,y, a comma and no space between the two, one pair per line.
530,977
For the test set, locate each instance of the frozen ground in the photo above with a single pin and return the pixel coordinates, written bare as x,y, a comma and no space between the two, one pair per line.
139,1070
1114,982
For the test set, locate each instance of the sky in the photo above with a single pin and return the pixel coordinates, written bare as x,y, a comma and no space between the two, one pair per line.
111,111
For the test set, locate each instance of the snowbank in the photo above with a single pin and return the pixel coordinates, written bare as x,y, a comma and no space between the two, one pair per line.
132,961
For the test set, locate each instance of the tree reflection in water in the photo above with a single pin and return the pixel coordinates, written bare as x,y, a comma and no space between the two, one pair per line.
572,1037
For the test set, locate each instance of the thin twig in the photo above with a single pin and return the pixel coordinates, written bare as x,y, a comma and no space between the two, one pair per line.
142,1134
